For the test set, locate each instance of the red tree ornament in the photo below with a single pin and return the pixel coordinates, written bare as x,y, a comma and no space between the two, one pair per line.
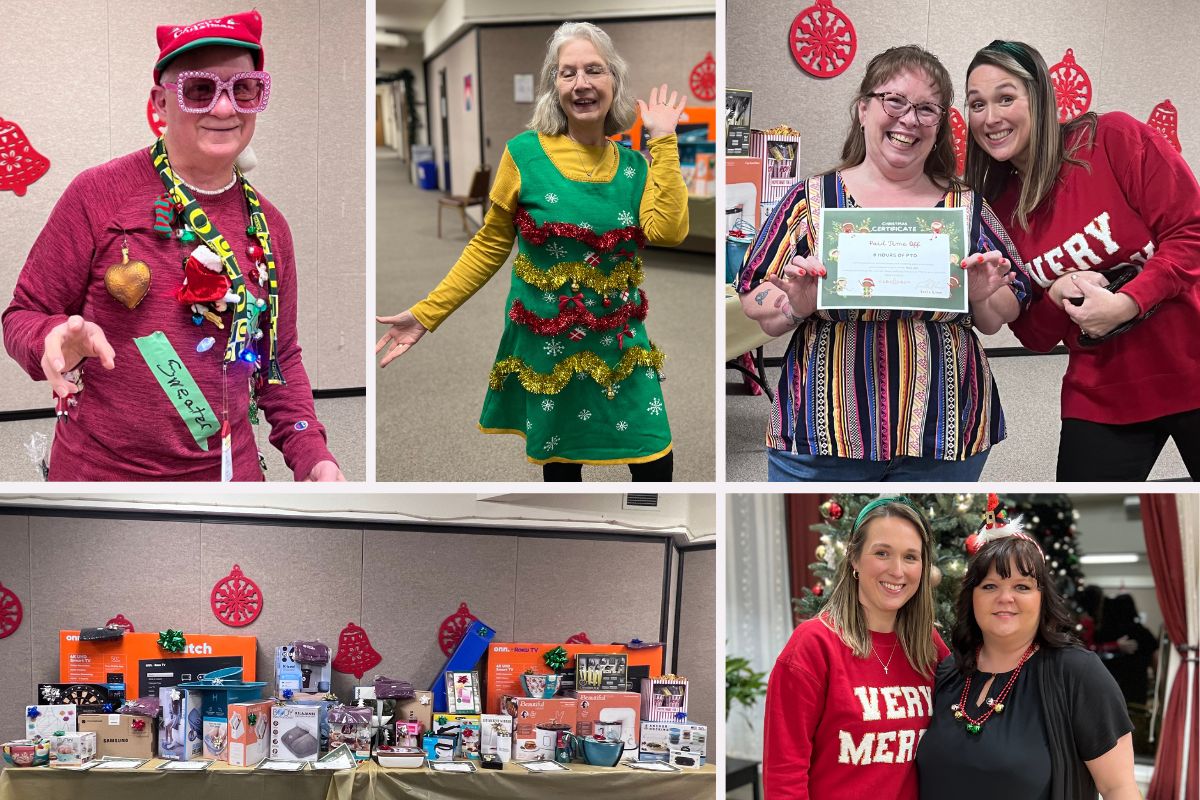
818,589
703,80
453,627
236,600
1165,119
20,164
823,40
1072,87
355,655
11,612
958,133
579,638
119,621
157,123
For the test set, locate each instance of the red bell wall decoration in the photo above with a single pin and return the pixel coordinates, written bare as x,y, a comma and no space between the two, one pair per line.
822,40
703,80
958,133
1165,119
236,600
579,638
119,621
1072,87
354,651
157,123
20,164
11,612
453,627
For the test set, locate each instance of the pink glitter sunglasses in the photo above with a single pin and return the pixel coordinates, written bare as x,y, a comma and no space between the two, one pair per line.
199,92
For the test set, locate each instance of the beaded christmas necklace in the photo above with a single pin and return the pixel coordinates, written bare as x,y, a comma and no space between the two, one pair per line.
995,705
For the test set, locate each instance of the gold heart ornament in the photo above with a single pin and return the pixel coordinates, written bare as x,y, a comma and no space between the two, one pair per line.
128,281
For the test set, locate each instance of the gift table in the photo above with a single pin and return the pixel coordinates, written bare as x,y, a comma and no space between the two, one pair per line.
369,782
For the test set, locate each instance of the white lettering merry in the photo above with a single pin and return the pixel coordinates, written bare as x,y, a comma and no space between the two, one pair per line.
885,747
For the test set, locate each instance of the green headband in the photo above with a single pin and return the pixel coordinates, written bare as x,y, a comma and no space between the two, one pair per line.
1018,52
882,501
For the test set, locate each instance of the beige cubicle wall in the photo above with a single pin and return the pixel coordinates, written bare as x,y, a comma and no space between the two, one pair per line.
399,584
78,75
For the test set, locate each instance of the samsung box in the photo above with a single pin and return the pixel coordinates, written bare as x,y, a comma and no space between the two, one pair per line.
122,735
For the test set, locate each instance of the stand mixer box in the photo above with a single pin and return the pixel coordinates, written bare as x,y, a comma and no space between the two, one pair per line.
249,732
528,713
605,711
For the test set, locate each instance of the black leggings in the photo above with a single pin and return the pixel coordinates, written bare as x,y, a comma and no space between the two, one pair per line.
1093,451
657,470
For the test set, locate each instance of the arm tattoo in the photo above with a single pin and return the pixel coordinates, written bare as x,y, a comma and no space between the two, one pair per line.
758,298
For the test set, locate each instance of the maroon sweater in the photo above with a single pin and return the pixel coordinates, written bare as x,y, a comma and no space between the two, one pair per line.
124,427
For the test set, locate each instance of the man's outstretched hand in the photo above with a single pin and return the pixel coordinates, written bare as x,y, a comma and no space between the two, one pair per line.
69,343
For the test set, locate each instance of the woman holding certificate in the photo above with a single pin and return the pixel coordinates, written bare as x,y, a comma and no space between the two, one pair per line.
885,380
1108,214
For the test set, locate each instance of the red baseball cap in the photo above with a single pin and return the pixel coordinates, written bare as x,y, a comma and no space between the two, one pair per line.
237,30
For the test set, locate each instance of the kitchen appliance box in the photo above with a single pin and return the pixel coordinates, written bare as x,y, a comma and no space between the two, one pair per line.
74,748
418,708
295,733
660,740
529,712
299,676
94,662
496,736
249,732
610,707
116,735
507,661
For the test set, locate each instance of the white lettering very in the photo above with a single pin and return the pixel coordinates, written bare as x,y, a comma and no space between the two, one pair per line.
902,702
891,694
1077,247
869,697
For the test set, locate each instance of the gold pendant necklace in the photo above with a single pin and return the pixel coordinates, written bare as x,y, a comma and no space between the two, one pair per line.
579,156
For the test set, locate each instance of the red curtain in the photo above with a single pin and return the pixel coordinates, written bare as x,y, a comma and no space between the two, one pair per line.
1160,520
803,511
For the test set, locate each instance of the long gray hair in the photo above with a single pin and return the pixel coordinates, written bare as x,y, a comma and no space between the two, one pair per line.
548,116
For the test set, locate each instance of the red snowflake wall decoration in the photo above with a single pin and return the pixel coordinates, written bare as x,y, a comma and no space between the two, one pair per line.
579,638
236,600
1165,119
355,653
157,123
119,621
11,612
703,80
1072,87
822,40
958,133
453,627
20,164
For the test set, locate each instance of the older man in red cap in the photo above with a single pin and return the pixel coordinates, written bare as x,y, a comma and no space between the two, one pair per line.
159,301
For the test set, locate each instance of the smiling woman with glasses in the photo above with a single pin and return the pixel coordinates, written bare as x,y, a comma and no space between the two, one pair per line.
159,300
872,395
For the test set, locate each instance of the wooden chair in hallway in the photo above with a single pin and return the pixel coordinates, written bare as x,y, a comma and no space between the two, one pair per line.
476,196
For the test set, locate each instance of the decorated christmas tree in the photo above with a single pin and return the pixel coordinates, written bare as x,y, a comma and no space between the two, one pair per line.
1050,519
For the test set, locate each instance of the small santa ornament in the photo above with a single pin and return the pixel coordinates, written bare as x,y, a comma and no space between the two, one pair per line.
205,281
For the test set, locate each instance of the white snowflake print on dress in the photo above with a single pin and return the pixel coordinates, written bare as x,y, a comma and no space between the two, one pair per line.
549,297
585,415
551,198
581,376
630,172
607,341
554,348
655,407
550,444
587,226
625,218
555,249
622,425
651,373
591,301
547,404
528,424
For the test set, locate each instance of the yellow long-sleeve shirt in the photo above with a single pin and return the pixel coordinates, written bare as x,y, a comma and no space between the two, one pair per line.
663,215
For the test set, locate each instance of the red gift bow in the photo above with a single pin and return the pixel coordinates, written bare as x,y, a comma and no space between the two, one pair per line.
621,336
565,300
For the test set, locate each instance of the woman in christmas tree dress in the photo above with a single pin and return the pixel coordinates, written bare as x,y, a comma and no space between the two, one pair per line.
1096,194
1021,709
874,395
850,695
576,373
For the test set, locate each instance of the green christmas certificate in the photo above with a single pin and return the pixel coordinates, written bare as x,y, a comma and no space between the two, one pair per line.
903,259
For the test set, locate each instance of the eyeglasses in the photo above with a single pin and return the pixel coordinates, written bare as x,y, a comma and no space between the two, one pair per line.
897,105
199,92
590,73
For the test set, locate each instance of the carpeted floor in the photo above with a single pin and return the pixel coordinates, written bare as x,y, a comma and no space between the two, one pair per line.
428,401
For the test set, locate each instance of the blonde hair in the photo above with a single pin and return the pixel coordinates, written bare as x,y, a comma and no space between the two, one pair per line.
843,612
940,163
548,116
1047,147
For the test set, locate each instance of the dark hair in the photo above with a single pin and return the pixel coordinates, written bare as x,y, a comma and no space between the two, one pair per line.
1056,629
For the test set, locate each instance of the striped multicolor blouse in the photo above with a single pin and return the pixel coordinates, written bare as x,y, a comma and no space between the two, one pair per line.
875,384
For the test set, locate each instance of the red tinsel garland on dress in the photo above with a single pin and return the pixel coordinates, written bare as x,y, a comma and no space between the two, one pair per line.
575,315
605,242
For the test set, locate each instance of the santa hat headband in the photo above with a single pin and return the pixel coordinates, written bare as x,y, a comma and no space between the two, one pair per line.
234,30
998,525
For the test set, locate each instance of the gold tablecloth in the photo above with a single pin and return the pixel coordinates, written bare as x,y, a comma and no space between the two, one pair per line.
368,782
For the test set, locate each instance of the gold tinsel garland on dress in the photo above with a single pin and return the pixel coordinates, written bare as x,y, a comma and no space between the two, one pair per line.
585,361
625,274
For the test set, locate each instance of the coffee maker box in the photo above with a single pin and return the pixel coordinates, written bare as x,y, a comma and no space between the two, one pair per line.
249,732
295,733
496,736
122,735
530,712
299,676
182,729
659,739
612,714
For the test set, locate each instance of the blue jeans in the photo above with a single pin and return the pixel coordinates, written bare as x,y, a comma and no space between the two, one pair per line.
786,466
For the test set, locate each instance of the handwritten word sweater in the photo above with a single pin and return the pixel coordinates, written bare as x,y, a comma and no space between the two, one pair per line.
838,726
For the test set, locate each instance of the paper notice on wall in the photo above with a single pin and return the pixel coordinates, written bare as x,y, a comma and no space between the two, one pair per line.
523,88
